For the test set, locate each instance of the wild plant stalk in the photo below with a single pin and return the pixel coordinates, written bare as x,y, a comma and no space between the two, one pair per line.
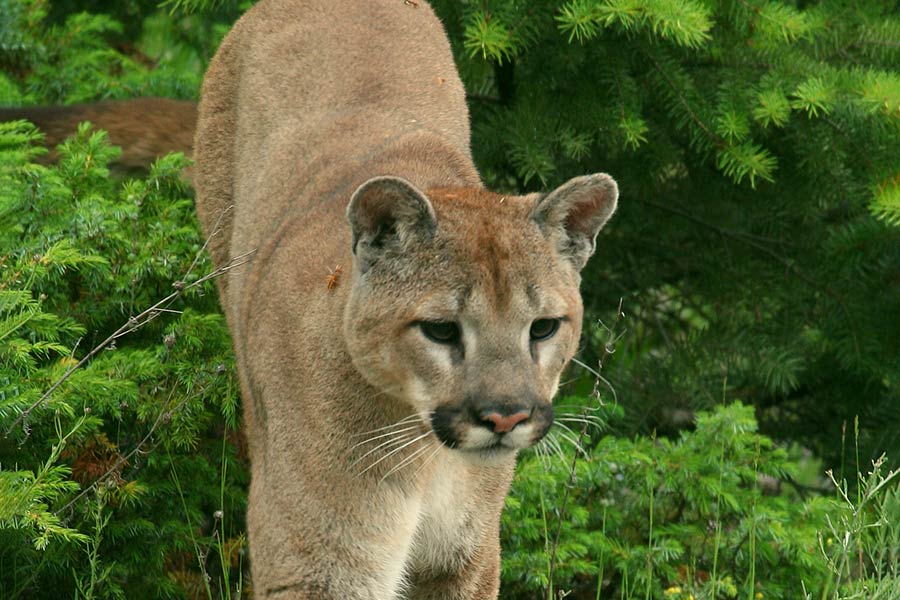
201,562
718,537
239,584
859,485
93,548
717,540
650,490
751,578
220,518
859,475
600,572
570,483
834,578
609,348
841,475
546,525
856,538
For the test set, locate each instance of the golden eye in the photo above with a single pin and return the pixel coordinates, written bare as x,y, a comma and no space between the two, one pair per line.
440,332
543,329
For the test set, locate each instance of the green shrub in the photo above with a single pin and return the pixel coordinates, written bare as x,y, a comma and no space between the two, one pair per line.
698,517
89,474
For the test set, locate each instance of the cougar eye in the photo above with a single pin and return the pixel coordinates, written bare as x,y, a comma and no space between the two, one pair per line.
440,332
543,329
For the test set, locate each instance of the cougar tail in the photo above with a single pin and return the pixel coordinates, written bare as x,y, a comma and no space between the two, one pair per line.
145,128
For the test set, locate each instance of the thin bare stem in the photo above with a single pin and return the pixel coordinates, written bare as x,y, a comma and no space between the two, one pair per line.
608,350
132,324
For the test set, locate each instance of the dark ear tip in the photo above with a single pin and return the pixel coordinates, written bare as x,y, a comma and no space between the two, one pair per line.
598,182
387,183
607,182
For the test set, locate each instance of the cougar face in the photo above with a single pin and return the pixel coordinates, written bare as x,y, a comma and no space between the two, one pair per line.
464,305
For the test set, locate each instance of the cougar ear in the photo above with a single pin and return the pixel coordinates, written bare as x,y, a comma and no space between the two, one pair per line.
386,214
574,213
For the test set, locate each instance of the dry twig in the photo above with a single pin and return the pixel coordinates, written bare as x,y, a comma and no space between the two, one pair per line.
137,321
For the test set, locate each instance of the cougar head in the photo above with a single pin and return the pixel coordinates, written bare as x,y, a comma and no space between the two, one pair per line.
465,304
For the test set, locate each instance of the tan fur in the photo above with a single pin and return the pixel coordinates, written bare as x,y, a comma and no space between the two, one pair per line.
304,104
145,128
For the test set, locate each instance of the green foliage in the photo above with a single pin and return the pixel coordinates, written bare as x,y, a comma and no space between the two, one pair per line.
695,517
127,49
87,501
681,22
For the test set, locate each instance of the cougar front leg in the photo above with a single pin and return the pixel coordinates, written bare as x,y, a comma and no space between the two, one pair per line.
349,549
477,579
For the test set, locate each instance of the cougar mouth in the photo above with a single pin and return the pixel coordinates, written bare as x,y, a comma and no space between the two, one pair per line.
494,428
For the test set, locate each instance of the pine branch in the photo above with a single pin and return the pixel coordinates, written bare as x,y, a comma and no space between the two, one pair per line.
138,321
787,264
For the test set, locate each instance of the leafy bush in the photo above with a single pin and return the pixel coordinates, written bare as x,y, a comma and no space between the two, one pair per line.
91,458
693,517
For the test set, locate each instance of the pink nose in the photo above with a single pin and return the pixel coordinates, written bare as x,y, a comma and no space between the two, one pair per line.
504,423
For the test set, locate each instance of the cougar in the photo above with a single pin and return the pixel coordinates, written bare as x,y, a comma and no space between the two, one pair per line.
401,331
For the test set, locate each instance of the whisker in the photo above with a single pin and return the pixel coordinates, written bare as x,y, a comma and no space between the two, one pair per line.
399,423
600,377
588,368
587,426
582,410
573,441
563,384
541,450
408,460
562,423
578,415
385,444
384,435
429,458
552,447
588,422
567,428
558,450
395,450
